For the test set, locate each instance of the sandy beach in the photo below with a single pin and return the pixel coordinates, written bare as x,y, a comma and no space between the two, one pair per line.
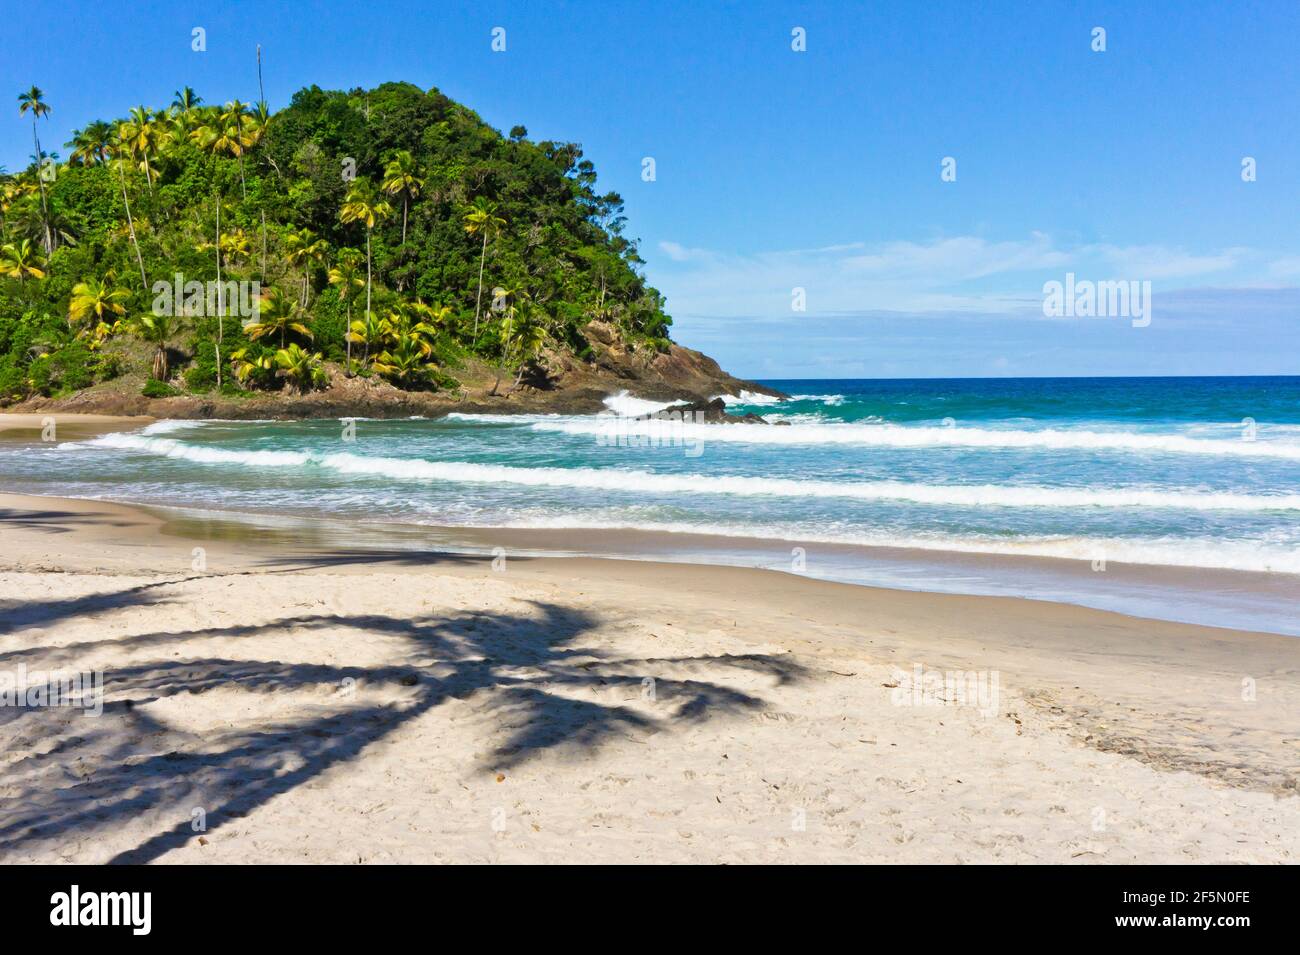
283,697
65,427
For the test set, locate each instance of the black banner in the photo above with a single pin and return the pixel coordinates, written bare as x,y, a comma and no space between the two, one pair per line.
334,905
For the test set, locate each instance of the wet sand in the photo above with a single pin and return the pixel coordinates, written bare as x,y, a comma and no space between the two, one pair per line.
65,427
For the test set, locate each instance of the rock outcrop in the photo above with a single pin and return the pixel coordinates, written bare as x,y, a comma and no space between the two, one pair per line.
560,383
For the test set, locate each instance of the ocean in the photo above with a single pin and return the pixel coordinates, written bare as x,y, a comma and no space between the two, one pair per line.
896,482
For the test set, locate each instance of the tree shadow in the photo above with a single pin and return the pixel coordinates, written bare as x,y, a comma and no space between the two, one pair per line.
88,775
60,522
362,557
23,614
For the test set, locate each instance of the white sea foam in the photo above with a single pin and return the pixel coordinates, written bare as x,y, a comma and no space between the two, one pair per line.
749,398
171,448
629,405
895,436
832,400
487,418
168,425
645,482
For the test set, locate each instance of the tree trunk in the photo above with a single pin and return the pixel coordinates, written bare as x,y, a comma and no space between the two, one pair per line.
478,302
347,339
131,227
221,310
405,205
367,294
45,210
519,377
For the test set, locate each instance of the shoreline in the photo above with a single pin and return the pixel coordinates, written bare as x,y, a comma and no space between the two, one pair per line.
1217,597
1209,597
761,676
28,426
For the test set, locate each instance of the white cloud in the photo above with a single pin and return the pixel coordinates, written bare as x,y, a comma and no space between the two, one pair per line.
1287,267
957,274
1155,262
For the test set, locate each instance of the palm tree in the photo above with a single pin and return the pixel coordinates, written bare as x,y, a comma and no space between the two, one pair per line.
482,220
160,330
119,149
226,131
370,332
522,338
300,368
31,102
182,116
91,145
186,100
25,215
276,314
257,123
258,127
10,192
252,362
405,363
97,297
236,245
432,317
347,276
400,179
143,137
221,305
238,136
21,261
404,323
363,205
303,249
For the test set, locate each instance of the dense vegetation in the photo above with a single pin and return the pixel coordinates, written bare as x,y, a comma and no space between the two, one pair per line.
392,232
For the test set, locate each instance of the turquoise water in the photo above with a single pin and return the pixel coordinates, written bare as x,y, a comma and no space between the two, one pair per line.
1188,472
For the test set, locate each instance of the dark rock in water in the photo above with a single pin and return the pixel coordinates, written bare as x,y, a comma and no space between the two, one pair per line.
710,412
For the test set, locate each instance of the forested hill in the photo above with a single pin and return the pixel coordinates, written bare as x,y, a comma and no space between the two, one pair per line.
387,235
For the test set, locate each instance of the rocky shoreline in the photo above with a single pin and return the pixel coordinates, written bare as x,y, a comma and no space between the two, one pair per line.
562,384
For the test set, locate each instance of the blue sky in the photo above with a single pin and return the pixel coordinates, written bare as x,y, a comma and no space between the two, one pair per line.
820,169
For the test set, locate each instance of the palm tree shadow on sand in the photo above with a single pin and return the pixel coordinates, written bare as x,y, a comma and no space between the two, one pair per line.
78,781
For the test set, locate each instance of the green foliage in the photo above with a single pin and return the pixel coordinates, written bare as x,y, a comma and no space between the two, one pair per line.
201,375
397,182
153,388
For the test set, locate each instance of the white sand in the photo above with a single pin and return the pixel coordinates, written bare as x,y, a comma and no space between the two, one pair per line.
441,711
